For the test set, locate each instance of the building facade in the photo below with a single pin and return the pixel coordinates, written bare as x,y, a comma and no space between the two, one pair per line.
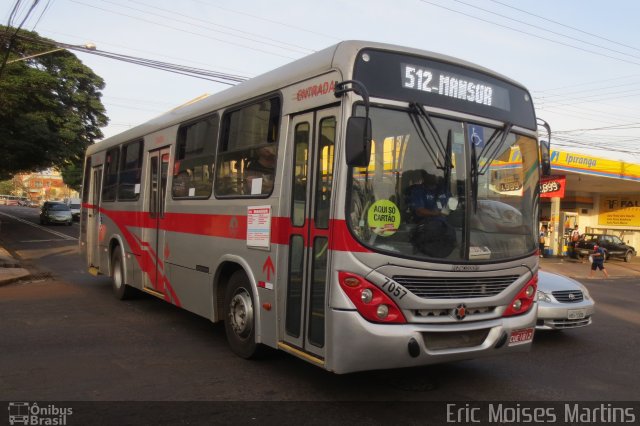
597,194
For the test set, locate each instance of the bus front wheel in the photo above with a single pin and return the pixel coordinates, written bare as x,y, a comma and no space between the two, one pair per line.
239,316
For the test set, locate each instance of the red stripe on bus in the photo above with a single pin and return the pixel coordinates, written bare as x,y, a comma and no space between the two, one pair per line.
235,227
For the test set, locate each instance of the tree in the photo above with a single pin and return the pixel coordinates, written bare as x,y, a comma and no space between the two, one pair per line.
50,108
6,187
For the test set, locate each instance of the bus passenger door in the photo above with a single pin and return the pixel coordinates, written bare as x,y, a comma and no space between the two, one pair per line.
94,224
152,244
313,136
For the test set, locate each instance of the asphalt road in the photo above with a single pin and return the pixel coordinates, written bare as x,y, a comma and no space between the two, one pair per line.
63,337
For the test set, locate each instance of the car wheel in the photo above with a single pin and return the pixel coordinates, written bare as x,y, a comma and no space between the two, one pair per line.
121,290
239,316
627,257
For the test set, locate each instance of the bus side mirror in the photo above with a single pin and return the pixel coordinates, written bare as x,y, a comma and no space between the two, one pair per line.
545,158
358,142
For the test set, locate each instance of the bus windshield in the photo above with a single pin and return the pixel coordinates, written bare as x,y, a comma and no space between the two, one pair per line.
445,190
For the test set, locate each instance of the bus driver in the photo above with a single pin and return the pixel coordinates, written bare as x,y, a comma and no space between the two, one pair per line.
433,236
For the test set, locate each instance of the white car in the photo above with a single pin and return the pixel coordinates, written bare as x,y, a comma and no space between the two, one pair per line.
562,303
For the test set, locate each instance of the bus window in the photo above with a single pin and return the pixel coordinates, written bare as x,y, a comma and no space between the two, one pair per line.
110,184
130,171
325,171
195,159
247,158
301,154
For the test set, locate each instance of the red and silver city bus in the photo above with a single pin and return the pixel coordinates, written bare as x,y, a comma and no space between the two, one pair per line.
290,207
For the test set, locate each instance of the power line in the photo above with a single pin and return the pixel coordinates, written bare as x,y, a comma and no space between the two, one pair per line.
586,83
530,34
592,90
180,29
46,8
158,54
546,30
622,126
566,26
260,36
218,77
268,20
12,38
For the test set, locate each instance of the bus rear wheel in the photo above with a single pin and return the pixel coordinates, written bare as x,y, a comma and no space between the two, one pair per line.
120,289
239,317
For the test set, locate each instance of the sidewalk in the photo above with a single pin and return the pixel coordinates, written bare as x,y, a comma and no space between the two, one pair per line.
10,269
579,270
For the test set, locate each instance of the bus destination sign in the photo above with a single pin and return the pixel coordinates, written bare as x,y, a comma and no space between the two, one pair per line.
453,86
443,84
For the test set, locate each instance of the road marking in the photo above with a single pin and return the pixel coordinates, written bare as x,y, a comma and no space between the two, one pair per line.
56,233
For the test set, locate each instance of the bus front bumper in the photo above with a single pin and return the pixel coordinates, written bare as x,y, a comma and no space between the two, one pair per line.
360,345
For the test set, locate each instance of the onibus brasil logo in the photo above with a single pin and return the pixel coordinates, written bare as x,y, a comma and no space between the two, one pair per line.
27,413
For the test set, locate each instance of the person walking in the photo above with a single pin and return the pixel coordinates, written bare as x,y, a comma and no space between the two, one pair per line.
542,240
573,241
598,261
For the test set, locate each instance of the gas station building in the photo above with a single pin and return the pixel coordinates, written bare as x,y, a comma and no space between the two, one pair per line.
599,195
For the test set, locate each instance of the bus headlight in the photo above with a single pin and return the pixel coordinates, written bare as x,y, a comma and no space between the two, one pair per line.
366,296
382,311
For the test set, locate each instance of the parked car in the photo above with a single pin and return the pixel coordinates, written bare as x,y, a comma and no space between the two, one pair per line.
74,205
562,303
613,246
55,212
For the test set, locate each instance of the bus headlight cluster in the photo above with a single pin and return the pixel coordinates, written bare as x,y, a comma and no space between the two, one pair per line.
524,299
371,302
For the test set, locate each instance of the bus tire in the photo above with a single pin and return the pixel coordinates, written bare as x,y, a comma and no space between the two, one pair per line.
239,316
121,290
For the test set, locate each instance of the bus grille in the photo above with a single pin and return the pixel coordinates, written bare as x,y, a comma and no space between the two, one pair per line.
455,288
568,296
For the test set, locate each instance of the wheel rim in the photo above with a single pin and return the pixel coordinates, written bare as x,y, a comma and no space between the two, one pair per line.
241,313
117,274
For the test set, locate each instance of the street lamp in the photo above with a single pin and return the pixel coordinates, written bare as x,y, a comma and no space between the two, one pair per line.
88,46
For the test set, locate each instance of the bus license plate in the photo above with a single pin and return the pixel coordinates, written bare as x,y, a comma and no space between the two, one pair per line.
574,314
519,337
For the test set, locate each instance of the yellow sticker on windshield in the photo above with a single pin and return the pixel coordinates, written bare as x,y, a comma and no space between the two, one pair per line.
384,218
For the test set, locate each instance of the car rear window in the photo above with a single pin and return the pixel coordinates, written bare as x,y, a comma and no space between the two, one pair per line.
59,207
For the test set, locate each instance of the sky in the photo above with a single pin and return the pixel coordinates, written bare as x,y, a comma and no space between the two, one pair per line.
579,58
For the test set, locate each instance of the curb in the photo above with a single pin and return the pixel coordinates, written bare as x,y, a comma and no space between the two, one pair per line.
11,275
10,269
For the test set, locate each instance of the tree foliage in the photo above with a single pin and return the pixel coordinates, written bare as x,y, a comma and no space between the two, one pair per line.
50,108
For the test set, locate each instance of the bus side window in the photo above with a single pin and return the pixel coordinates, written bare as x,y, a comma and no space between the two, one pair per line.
248,151
110,183
130,171
197,143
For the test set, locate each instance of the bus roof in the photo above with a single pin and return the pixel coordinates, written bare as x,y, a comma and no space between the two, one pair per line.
339,57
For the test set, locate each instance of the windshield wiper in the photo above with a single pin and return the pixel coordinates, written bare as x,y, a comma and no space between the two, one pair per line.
422,135
432,128
474,177
494,149
448,164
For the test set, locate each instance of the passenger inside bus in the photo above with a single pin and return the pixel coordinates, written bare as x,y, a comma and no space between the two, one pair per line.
260,171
